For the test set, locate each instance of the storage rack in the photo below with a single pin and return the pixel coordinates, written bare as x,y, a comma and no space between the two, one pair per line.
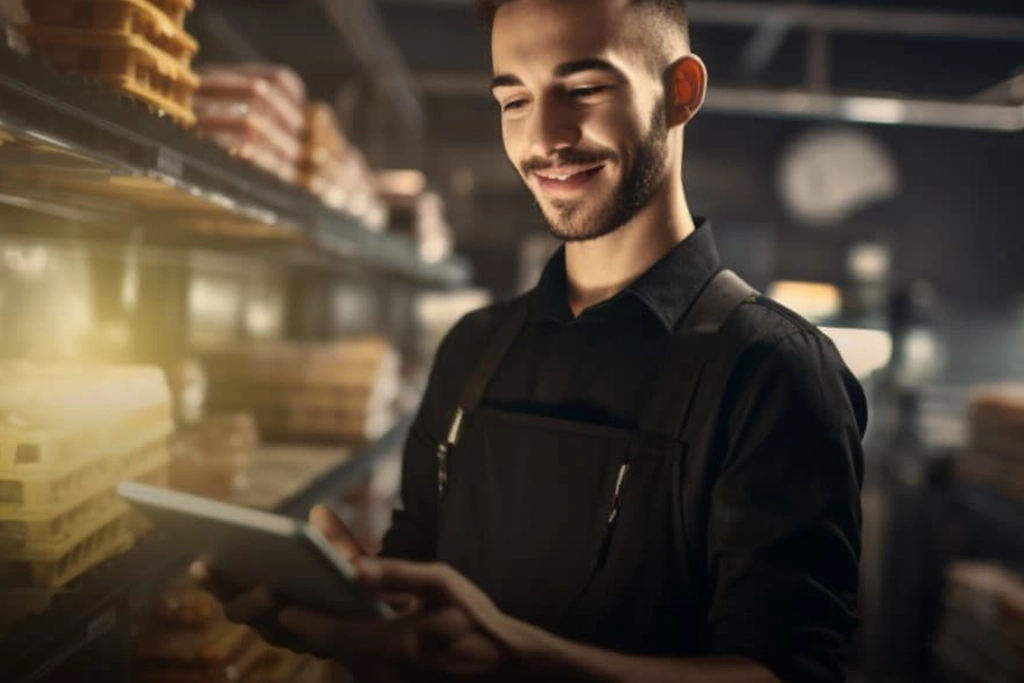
86,168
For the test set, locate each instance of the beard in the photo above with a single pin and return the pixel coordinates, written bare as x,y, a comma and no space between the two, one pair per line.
644,172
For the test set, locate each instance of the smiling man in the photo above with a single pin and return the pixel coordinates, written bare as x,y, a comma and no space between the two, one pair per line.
639,471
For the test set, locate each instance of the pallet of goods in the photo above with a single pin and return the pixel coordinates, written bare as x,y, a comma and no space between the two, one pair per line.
981,635
341,392
138,47
255,111
994,456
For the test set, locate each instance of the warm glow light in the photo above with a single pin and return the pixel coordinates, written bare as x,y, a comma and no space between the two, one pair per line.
813,300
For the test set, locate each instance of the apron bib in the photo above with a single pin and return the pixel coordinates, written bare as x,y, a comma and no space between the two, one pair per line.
576,527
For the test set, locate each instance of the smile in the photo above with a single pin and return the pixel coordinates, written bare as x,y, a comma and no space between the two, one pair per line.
567,180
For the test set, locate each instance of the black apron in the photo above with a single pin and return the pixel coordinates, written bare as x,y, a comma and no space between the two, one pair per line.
575,527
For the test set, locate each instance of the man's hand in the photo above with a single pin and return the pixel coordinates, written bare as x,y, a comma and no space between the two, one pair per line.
450,629
256,606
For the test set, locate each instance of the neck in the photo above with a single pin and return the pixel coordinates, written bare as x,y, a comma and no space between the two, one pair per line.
599,269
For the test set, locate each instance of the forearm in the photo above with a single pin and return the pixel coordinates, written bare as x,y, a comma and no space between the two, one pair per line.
545,657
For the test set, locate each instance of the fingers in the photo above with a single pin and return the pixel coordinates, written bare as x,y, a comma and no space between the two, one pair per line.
215,583
433,583
329,637
324,520
251,607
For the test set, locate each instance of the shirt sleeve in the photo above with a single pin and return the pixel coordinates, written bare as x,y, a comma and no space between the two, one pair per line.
785,518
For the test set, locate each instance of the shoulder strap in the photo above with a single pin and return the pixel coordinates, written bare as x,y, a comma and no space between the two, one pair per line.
672,399
495,351
716,302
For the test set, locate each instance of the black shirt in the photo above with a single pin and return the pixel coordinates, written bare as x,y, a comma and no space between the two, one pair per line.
782,507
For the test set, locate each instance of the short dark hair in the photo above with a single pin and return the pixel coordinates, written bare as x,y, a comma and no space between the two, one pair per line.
673,10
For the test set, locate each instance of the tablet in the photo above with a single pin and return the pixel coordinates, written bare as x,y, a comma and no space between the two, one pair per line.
254,548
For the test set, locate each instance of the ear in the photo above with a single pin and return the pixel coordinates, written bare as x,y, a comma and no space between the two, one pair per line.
686,83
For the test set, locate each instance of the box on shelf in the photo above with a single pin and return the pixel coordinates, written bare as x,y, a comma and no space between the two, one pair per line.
344,391
994,456
212,458
127,62
126,17
981,633
256,112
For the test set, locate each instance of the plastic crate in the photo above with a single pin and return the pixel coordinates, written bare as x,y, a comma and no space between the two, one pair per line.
57,491
55,565
18,534
136,17
124,61
21,531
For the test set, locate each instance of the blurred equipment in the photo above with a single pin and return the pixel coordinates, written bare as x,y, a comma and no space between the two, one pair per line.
341,391
981,637
828,174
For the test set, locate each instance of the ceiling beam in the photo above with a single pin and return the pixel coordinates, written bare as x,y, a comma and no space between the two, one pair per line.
795,104
848,19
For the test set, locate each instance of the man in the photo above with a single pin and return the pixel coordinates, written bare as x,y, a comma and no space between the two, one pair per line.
640,471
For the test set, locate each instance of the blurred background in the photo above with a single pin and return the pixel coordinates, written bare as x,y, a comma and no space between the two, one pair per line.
232,234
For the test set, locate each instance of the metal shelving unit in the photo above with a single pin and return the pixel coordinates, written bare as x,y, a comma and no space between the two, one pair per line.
85,169
76,152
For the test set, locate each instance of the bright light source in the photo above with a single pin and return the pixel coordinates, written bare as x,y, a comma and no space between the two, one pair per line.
813,300
864,351
874,110
869,262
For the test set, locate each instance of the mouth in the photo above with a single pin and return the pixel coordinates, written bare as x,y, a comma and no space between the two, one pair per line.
567,180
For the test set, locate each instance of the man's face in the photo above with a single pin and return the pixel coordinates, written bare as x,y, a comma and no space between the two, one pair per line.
582,113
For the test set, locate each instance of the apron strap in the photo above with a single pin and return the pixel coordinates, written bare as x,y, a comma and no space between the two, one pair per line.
494,353
695,345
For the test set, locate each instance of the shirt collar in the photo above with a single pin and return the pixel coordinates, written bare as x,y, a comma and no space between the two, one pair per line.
666,290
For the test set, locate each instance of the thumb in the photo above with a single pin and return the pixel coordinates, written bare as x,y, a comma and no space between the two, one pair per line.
324,520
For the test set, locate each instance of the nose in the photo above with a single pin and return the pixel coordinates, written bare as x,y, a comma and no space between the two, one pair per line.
555,127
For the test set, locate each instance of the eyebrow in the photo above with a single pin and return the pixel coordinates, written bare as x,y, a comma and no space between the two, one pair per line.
561,71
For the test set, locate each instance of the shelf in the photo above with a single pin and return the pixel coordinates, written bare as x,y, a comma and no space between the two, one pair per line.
347,470
94,604
100,162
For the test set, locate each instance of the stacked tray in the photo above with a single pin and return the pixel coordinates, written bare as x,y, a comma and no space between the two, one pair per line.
67,437
981,634
136,46
994,457
342,392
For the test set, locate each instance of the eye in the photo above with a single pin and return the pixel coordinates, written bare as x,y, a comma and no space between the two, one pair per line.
512,105
588,90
